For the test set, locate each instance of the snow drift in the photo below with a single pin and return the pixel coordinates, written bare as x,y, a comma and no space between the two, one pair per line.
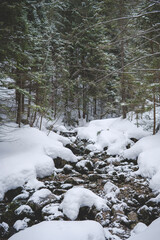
28,153
60,230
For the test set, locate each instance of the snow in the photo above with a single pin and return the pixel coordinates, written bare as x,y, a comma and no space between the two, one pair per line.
27,154
140,227
114,133
151,232
5,226
148,152
111,190
21,224
78,197
40,196
60,230
52,210
23,209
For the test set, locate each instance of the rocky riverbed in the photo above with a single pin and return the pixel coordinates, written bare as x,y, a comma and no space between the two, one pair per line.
128,196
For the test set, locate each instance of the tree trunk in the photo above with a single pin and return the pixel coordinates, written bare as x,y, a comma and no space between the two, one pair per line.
154,114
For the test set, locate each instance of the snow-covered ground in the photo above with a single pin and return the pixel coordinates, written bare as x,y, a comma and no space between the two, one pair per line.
62,230
27,153
114,133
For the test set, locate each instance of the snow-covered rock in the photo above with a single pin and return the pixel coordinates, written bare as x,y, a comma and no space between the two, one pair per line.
26,154
52,210
21,224
114,133
60,230
24,209
41,197
148,152
78,197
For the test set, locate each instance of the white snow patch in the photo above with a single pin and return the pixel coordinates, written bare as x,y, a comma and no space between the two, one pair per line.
60,230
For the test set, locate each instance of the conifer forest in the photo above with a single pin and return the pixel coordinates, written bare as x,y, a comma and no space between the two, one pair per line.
79,59
79,119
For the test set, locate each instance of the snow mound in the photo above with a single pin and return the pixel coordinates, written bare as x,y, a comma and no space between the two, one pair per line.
78,197
27,154
60,230
151,232
114,133
148,151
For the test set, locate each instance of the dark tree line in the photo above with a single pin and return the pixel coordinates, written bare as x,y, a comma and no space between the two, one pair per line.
79,59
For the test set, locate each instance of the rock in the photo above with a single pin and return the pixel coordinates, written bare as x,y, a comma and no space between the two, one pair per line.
52,212
84,166
145,214
87,213
74,148
133,218
40,198
24,211
74,181
4,228
59,191
67,169
59,162
9,216
12,193
100,164
94,177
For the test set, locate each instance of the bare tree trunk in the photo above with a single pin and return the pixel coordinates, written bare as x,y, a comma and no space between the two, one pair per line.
154,114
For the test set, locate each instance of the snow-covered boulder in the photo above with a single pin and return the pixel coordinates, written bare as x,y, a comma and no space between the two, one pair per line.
148,152
78,197
41,198
60,230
